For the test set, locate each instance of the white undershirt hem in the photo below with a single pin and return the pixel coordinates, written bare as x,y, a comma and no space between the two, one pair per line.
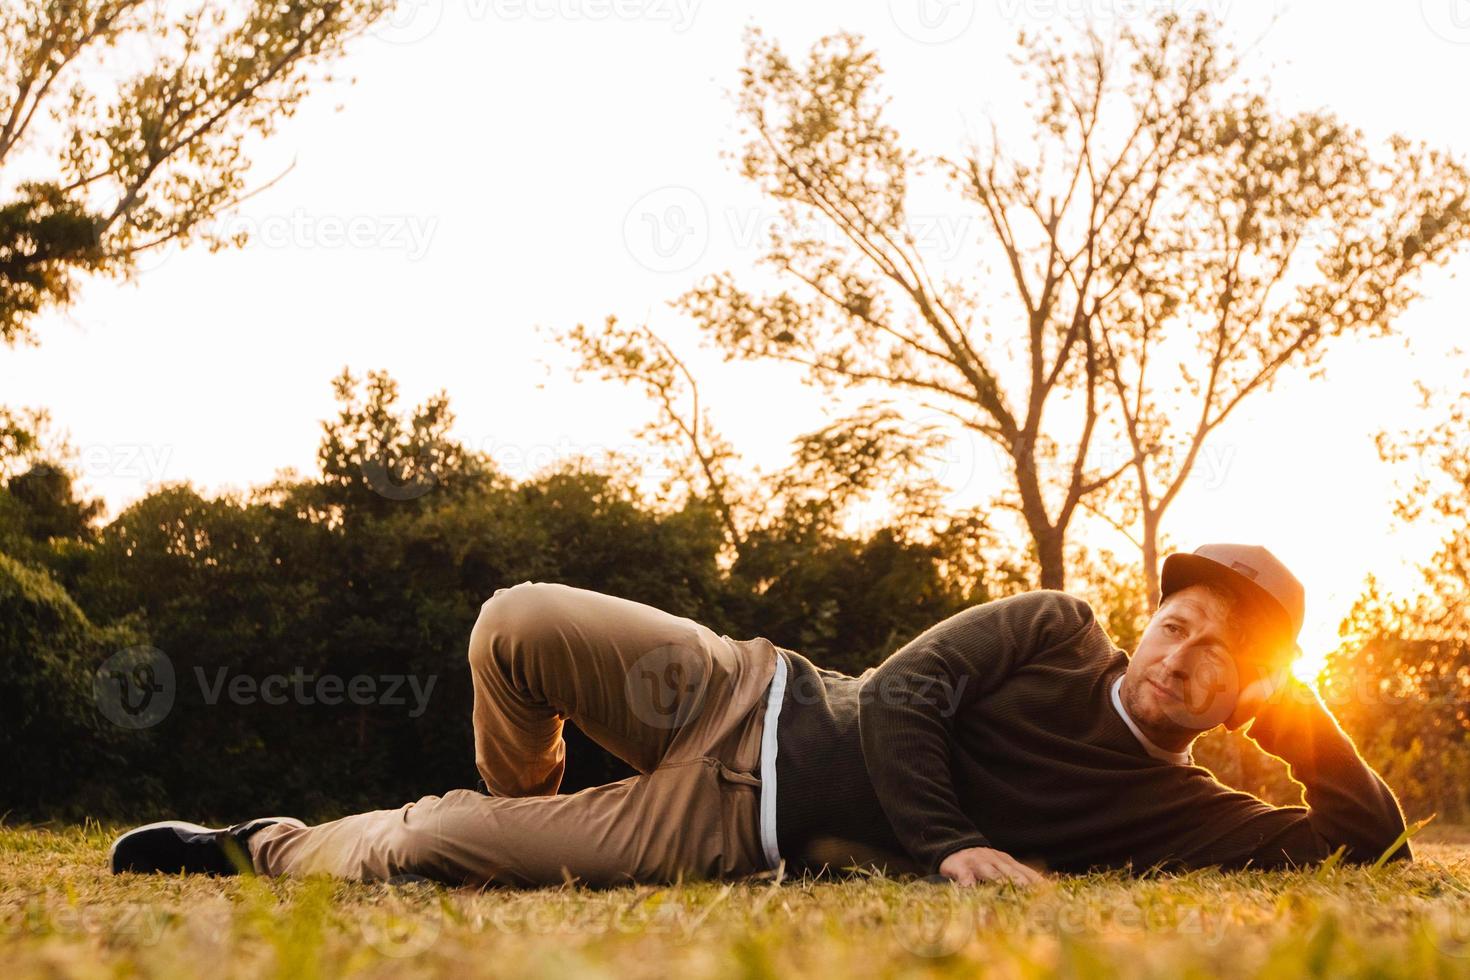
768,764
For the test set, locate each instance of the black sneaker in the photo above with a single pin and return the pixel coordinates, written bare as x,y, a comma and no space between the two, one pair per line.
171,846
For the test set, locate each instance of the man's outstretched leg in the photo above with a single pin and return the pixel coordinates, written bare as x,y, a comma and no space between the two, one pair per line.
681,704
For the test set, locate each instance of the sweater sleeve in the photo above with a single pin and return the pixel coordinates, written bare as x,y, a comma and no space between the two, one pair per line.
1348,804
909,703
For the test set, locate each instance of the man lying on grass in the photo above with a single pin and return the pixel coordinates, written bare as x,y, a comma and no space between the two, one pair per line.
1011,739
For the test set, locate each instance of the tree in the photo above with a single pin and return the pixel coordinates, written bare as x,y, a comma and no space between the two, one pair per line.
702,459
375,460
863,308
1400,679
150,157
1159,215
1249,243
53,735
873,455
20,438
49,506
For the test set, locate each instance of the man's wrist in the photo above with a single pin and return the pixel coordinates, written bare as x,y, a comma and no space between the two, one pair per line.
1295,703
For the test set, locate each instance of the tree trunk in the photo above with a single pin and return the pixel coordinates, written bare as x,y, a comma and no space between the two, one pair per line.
1151,557
1049,557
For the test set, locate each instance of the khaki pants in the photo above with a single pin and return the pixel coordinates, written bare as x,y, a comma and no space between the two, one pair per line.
680,704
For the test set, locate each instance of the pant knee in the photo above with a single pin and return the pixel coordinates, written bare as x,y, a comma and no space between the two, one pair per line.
510,616
415,843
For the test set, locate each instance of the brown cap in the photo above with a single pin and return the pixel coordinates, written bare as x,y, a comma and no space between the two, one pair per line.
1251,572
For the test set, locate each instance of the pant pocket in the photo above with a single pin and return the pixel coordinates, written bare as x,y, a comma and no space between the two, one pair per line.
740,834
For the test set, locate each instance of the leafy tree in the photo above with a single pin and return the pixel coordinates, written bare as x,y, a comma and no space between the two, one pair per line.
140,157
1400,679
20,433
53,739
1158,215
873,458
375,461
702,460
49,507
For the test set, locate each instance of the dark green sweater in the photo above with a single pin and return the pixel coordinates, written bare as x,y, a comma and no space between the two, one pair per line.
996,728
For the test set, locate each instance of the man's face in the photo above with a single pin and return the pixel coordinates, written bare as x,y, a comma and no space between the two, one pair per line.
1188,670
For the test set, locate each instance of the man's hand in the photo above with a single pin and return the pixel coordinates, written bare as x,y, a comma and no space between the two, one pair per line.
970,865
1260,688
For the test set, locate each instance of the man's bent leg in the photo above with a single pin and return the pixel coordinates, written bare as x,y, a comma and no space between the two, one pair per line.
649,686
691,819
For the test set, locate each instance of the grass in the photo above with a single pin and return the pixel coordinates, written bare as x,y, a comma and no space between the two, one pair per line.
64,915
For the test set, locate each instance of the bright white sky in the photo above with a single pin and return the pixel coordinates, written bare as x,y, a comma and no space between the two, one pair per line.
496,166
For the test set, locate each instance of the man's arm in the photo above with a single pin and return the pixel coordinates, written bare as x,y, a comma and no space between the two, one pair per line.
908,707
1348,804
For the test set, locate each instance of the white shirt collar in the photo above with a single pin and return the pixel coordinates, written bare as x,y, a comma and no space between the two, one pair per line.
1178,758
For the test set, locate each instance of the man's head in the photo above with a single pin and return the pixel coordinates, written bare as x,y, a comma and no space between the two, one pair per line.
1227,619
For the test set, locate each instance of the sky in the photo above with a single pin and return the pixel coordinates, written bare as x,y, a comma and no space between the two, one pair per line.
499,166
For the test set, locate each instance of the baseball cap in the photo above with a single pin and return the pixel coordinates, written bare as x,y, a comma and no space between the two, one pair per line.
1274,597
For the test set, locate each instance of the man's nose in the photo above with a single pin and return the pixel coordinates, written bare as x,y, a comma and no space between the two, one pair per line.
1177,664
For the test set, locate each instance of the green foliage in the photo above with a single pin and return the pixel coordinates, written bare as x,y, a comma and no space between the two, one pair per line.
46,240
145,157
53,741
1166,244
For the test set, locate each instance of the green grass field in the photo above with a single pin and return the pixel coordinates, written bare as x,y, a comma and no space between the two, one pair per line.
64,915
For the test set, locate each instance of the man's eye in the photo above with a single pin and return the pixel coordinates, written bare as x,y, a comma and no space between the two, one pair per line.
1172,629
